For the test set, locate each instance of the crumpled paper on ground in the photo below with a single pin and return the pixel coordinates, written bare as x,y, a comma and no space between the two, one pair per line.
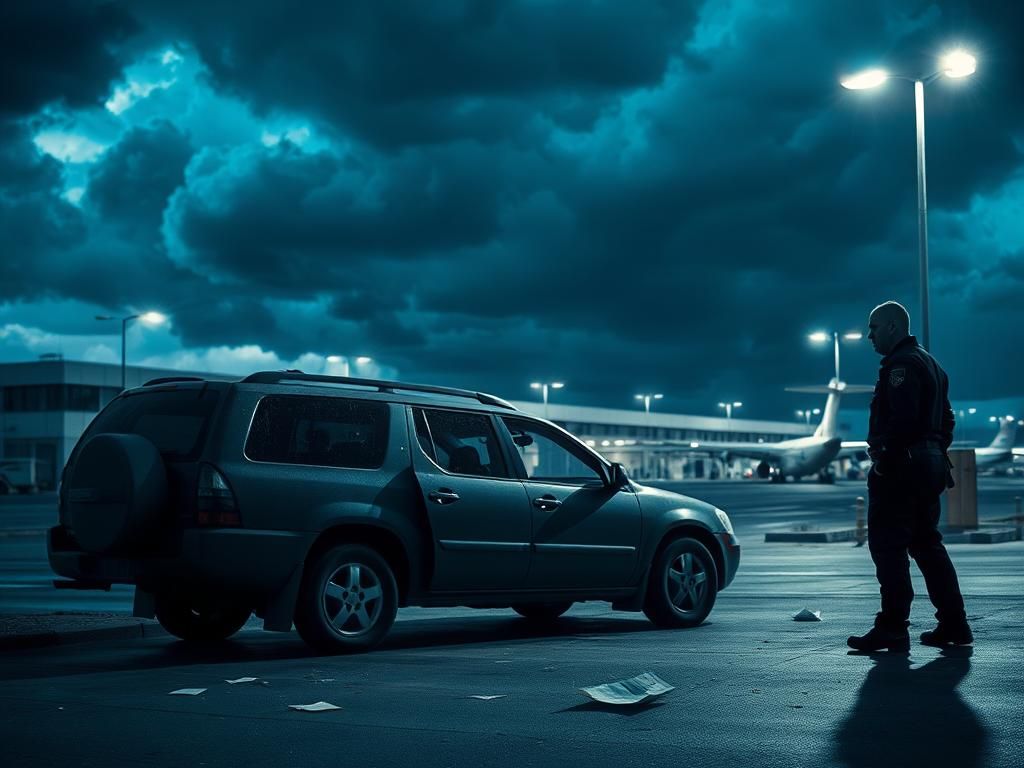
633,690
807,615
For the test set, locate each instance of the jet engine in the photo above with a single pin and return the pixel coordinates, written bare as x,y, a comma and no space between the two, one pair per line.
764,470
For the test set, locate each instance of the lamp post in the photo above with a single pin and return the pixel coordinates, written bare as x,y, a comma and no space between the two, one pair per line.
807,413
728,410
346,365
957,64
150,318
647,402
543,387
819,337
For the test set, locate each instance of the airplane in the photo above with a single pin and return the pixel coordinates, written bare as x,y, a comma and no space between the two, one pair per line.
795,458
1000,451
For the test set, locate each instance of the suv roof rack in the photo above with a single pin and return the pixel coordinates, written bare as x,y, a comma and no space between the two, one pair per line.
277,377
169,379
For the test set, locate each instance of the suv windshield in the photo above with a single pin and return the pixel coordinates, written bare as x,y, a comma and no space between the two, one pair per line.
175,420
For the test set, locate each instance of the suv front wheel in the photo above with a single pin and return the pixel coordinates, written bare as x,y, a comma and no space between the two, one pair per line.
348,600
198,620
682,586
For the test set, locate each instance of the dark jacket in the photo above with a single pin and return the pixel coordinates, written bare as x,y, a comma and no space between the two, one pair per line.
910,408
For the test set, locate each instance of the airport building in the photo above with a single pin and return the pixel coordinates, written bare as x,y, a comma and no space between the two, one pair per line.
46,405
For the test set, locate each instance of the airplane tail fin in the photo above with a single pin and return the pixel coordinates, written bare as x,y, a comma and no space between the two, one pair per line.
835,389
1007,435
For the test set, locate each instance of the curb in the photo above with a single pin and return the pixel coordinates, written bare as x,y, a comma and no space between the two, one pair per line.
815,537
992,536
56,637
23,532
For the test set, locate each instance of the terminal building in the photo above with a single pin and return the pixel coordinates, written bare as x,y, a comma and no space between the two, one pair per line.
45,407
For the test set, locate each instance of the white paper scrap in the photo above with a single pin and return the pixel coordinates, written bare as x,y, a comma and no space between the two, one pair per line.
242,680
634,690
806,615
187,692
491,697
320,706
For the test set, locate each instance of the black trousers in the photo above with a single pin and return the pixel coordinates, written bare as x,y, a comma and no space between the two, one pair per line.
903,518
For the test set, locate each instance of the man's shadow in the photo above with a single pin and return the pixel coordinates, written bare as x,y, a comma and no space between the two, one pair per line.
913,717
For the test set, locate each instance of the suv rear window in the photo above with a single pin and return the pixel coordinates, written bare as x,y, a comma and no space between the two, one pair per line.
320,431
175,421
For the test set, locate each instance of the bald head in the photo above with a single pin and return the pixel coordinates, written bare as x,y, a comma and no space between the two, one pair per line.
888,325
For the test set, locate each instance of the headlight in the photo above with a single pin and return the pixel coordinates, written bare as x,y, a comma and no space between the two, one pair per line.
724,519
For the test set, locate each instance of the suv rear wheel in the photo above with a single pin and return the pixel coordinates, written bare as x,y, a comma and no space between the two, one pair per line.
199,620
541,611
682,586
348,600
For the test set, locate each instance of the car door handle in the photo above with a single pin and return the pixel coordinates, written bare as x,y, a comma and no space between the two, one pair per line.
443,496
547,502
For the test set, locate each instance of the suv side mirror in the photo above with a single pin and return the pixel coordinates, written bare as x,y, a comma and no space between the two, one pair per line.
617,477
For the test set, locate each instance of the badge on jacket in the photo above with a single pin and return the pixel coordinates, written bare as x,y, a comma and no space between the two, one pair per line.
897,376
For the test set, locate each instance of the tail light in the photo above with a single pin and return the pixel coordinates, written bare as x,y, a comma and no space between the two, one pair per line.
215,502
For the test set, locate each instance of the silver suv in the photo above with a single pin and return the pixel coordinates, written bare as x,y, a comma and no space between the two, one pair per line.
331,502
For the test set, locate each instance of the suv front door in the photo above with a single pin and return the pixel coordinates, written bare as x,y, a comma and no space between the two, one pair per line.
478,511
586,534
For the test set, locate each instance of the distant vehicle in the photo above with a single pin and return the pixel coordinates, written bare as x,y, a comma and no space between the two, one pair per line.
330,502
21,474
795,458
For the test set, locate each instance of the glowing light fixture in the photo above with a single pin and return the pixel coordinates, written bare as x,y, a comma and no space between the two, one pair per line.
958,63
870,78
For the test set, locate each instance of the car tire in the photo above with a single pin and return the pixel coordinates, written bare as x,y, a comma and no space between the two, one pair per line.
348,600
541,611
200,621
682,585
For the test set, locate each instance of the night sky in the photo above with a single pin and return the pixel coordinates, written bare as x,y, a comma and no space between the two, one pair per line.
625,196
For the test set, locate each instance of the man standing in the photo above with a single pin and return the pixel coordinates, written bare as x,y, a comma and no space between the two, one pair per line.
910,429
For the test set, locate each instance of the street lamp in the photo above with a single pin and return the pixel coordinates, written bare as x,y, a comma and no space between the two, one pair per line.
347,367
956,64
543,387
819,337
647,402
728,409
150,318
807,413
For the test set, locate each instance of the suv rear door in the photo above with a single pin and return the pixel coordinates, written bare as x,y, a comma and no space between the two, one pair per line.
479,514
586,534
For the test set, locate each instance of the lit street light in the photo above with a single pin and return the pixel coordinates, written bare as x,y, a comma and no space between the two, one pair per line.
819,337
150,318
728,409
807,413
346,366
543,387
647,402
957,64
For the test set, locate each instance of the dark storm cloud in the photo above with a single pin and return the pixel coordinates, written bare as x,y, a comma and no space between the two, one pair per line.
60,51
655,195
34,219
413,72
132,183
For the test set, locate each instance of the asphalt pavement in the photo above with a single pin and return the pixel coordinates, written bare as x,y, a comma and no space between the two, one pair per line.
753,687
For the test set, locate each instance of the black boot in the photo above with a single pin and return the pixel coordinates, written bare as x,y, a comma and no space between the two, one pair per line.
881,638
948,635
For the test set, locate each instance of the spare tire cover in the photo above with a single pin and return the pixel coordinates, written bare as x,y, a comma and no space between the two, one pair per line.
116,492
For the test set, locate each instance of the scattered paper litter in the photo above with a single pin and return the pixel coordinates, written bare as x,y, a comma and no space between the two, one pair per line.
806,615
491,697
242,680
320,706
633,690
187,692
